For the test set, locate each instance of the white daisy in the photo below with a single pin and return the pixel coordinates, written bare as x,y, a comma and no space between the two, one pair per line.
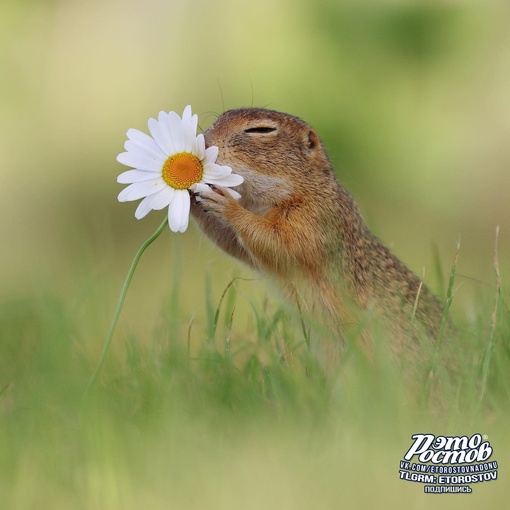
168,164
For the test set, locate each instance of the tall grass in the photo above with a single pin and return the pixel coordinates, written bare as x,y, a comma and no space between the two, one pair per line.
231,412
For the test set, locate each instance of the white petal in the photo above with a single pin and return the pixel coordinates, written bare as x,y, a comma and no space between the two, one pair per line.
216,171
194,124
178,211
166,125
164,129
199,187
140,162
139,136
190,119
174,213
140,189
211,153
144,208
158,132
200,147
176,132
162,198
185,211
227,181
233,193
142,139
131,176
186,114
190,137
152,152
189,126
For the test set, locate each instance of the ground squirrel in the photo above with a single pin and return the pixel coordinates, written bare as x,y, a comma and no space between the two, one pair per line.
298,224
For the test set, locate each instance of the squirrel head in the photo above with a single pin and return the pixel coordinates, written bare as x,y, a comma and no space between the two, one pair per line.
276,153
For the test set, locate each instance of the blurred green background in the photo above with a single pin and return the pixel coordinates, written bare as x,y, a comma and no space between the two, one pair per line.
412,101
410,98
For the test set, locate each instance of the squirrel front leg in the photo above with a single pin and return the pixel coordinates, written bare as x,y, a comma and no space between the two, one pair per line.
289,243
220,233
278,242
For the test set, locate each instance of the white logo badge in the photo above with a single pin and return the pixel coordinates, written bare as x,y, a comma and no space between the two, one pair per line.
448,464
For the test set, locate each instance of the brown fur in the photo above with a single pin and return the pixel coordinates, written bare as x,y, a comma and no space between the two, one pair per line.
298,224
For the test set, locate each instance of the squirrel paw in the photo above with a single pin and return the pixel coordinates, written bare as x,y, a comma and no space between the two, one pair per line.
215,201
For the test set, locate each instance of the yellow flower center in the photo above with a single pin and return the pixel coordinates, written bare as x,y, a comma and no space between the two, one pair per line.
182,170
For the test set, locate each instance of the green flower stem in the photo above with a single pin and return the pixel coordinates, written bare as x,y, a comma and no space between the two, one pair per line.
120,302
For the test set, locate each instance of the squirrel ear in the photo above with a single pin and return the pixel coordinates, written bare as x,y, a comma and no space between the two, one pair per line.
311,140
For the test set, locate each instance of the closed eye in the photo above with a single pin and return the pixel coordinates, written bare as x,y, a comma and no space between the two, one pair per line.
260,129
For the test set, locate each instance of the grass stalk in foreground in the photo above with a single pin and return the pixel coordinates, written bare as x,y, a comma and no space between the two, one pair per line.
411,323
120,303
489,348
444,324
